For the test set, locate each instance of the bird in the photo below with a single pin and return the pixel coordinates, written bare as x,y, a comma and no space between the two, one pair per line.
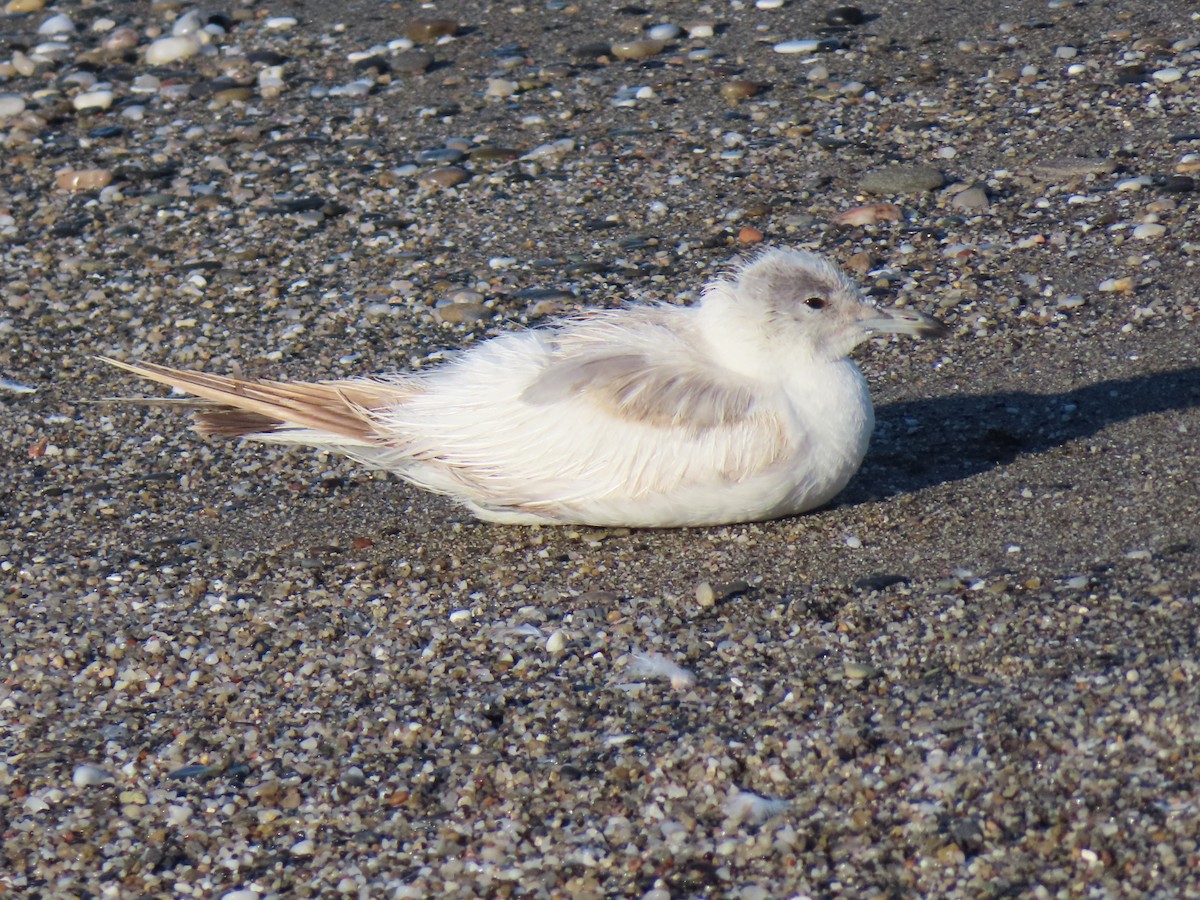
742,407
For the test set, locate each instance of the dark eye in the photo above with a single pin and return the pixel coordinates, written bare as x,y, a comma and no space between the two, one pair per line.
815,303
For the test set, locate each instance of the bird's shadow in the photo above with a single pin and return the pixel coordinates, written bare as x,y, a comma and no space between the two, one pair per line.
923,443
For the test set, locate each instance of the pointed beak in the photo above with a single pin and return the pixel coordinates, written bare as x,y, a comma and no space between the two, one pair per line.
901,321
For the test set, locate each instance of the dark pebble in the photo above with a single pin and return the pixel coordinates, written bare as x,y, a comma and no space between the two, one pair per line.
266,58
426,30
1179,184
845,15
106,131
880,582
412,62
376,64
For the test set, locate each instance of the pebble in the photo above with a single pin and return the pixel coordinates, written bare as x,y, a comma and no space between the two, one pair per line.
93,100
59,24
806,46
426,30
119,39
171,49
443,177
83,179
1167,76
1116,285
90,776
1189,164
280,23
15,7
748,234
11,105
636,49
739,89
663,32
871,214
306,847
974,197
412,62
462,313
1148,231
845,15
902,180
700,31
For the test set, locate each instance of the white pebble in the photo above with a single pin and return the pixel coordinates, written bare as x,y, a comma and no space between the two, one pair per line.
178,814
557,641
664,32
280,22
853,542
459,616
701,31
89,776
809,46
11,105
170,49
1066,52
93,100
1134,184
768,4
501,262
305,847
743,806
1076,69
241,894
1166,76
60,24
1148,231
501,87
400,44
188,23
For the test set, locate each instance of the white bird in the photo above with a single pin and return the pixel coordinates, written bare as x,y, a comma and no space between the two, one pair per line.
742,408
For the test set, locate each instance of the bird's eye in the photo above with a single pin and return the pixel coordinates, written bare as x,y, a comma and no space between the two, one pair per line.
815,303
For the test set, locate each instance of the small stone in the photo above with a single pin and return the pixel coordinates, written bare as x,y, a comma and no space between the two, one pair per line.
1066,52
1179,184
1116,285
15,7
859,671
11,105
1148,231
93,100
557,641
119,39
845,15
902,180
974,197
412,62
83,179
90,776
426,30
664,32
305,847
749,235
871,214
701,31
462,313
809,46
280,23
636,49
705,595
1166,76
501,87
171,49
57,25
739,89
444,177
1189,164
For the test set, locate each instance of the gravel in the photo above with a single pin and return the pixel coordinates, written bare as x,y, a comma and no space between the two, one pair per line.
244,672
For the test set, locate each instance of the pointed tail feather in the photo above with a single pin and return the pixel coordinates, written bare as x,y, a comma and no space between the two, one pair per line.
332,412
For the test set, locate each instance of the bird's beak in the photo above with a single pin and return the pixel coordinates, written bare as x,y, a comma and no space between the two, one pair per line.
901,321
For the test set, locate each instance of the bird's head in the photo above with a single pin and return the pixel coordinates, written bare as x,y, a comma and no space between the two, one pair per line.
798,303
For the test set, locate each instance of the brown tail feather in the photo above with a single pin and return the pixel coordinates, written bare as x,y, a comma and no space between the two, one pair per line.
243,408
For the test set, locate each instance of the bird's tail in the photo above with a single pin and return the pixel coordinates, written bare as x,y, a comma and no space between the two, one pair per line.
332,413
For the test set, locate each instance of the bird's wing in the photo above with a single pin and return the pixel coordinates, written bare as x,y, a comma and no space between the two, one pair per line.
668,393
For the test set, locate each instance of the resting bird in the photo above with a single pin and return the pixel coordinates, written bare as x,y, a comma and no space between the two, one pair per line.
744,407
